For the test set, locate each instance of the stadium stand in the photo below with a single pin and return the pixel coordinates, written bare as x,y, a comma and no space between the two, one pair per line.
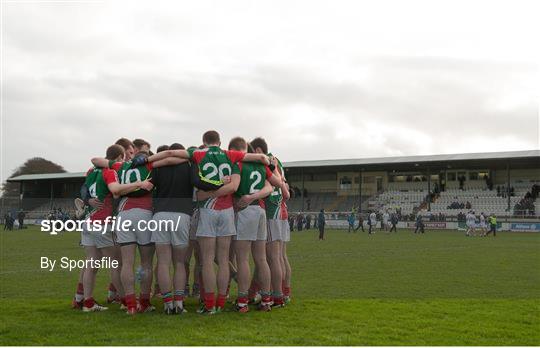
407,201
439,184
480,200
328,201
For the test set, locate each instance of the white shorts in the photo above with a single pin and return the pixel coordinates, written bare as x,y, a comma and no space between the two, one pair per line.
96,238
469,225
286,231
133,234
275,228
193,225
251,223
216,223
175,232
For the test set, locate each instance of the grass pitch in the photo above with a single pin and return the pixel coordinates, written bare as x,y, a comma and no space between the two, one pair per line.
440,288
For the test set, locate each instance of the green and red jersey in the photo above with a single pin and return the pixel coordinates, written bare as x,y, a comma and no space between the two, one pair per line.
215,163
137,199
90,183
274,204
98,180
252,177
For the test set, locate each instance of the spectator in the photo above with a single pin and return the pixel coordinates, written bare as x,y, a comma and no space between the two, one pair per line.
308,222
525,206
492,220
299,222
351,218
419,224
489,182
372,222
321,223
360,223
535,191
9,220
20,217
394,221
461,181
291,223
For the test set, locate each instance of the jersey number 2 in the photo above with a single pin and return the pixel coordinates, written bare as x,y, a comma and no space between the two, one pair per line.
258,178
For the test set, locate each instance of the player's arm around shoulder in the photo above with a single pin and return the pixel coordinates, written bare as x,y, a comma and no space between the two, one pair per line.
256,157
285,191
183,154
169,161
117,189
277,180
100,162
226,189
246,200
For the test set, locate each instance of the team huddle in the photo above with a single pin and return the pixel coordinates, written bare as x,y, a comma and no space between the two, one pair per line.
225,204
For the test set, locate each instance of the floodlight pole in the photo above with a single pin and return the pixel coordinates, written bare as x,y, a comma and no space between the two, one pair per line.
429,189
302,193
51,199
360,191
21,190
508,185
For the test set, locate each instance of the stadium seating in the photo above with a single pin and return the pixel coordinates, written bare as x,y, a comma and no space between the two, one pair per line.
66,204
407,186
411,197
327,200
317,200
407,201
480,200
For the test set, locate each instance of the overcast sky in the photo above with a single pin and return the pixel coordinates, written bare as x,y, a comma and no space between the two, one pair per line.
319,80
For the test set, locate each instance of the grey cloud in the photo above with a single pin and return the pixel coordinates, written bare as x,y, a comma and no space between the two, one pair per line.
75,89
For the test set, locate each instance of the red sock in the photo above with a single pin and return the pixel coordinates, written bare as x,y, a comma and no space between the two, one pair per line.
286,291
144,299
80,289
178,297
167,297
266,298
221,300
277,300
242,300
254,288
209,300
89,302
131,301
